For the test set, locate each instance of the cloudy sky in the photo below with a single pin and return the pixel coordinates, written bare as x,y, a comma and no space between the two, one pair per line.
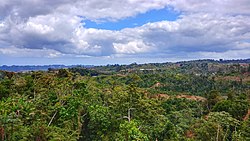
122,31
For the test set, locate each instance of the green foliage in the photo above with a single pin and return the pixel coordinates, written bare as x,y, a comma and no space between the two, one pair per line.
63,73
5,88
243,134
237,108
212,99
218,126
116,102
129,131
182,114
100,121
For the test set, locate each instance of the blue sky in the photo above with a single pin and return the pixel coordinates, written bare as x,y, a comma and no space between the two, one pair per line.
124,31
155,15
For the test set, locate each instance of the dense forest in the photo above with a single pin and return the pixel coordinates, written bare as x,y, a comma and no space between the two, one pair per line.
183,101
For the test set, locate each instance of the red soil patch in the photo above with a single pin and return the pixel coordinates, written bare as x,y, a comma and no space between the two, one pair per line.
247,115
158,84
189,134
160,96
244,78
191,97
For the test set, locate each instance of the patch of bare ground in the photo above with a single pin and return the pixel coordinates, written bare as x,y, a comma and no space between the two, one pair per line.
158,84
244,78
189,134
247,115
192,97
166,96
160,96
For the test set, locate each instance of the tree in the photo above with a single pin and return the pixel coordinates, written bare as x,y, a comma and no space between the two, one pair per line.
236,108
129,131
212,99
218,126
243,134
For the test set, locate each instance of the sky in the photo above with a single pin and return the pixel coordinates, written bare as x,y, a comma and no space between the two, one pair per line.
96,32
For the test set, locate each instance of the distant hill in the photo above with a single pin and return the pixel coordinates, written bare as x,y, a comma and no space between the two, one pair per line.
16,68
118,67
218,61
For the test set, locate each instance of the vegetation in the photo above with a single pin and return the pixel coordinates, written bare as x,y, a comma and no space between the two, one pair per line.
196,100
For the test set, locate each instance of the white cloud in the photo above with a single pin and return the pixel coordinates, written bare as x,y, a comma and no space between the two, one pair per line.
38,28
91,9
230,7
131,47
207,28
111,9
36,53
195,33
230,54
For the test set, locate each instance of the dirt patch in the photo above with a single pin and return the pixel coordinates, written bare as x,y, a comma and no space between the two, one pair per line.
189,134
191,97
247,115
244,78
158,84
160,96
166,96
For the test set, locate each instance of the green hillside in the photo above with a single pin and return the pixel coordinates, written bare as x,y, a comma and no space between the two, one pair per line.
189,101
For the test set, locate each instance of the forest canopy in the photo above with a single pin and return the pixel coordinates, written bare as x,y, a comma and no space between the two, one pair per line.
196,100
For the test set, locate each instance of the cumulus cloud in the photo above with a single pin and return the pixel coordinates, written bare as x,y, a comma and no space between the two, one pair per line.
195,33
33,53
230,7
90,9
205,29
131,47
